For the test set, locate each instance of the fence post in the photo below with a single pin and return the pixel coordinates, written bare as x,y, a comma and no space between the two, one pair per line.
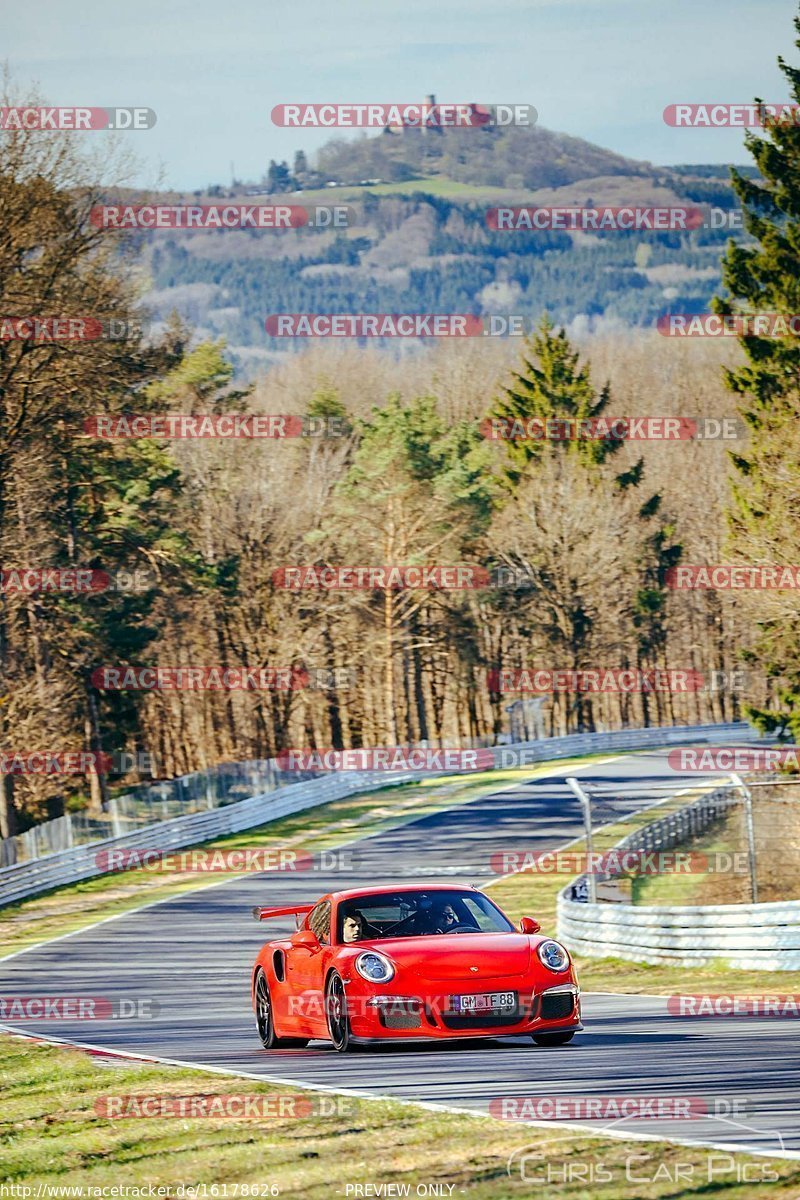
586,806
751,835
116,826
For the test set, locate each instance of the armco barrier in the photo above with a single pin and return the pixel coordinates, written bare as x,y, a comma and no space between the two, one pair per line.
80,862
746,936
149,804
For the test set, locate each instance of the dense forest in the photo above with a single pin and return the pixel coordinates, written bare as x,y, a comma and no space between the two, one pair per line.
426,254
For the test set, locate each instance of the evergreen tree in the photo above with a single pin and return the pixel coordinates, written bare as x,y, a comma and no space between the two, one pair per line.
765,278
278,177
552,385
416,492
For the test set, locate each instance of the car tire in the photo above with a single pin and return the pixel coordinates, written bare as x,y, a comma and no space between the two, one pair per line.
552,1039
264,1022
336,1014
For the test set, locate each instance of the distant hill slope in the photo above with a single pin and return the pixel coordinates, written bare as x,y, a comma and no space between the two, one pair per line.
424,245
515,157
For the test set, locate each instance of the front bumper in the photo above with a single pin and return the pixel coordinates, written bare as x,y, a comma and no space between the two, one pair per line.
394,1015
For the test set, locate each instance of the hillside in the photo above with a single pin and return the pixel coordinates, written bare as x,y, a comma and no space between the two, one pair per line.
510,158
423,245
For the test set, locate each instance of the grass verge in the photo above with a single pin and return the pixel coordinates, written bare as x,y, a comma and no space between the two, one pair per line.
52,1136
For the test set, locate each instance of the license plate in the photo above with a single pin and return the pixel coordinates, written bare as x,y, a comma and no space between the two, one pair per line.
484,1002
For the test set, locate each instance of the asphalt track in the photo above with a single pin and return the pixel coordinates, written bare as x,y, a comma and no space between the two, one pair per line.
739,1076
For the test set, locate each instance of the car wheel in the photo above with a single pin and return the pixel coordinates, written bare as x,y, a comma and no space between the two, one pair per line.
265,1024
552,1039
336,1013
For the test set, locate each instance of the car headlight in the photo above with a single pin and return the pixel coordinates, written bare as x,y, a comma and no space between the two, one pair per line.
553,956
374,967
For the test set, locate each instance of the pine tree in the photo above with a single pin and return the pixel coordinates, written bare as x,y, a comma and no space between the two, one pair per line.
552,385
764,517
416,492
278,177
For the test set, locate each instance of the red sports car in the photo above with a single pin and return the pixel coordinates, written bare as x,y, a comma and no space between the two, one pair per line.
381,963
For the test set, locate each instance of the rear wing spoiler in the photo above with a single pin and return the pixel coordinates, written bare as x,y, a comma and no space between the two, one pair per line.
287,910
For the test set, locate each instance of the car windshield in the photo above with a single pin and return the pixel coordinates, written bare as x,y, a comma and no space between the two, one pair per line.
418,913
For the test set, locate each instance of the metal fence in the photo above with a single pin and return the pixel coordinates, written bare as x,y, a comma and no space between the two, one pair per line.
220,808
150,804
667,832
745,936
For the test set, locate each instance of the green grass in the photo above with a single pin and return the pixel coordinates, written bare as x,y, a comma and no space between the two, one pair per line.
448,188
80,905
51,1134
724,845
684,887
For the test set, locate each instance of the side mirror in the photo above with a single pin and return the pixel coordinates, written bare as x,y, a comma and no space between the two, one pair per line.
306,938
528,925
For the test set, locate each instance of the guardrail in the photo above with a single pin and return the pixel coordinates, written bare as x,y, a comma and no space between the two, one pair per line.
749,937
84,862
746,936
149,804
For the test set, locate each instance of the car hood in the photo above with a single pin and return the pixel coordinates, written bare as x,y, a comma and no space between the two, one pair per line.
462,956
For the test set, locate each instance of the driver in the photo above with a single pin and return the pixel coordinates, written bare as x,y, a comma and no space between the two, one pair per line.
447,920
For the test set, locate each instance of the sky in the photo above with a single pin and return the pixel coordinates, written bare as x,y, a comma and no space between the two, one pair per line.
599,69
